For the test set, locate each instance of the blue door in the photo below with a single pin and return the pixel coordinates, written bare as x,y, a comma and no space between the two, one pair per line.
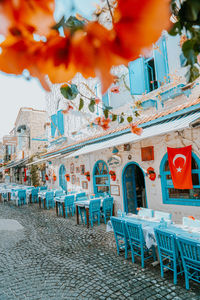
133,188
62,180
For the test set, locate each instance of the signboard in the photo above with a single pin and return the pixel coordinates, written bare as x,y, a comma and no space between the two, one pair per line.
10,140
114,161
115,190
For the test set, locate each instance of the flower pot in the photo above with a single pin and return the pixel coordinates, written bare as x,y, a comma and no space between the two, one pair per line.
88,178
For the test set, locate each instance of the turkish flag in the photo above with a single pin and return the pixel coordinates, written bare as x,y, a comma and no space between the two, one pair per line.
180,167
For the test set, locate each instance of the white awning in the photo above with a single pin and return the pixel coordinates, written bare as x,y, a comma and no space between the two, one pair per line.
178,123
59,155
44,159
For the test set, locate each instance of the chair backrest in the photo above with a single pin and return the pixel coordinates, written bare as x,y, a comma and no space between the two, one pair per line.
135,232
118,226
59,193
166,241
49,195
108,203
69,200
161,214
95,205
145,212
43,188
79,196
34,192
22,194
190,251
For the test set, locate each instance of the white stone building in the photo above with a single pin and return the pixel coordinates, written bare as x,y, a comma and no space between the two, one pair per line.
169,117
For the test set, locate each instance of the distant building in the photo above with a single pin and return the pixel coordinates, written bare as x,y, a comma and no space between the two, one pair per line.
27,139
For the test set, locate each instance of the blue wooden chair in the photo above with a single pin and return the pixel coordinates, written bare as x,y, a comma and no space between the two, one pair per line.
69,205
94,212
137,243
121,237
34,196
168,252
42,188
145,212
21,197
190,255
81,210
161,214
107,208
59,193
50,200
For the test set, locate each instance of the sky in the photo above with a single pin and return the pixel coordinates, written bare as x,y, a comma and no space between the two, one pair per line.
16,92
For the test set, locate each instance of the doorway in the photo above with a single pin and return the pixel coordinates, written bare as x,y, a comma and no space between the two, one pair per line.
133,188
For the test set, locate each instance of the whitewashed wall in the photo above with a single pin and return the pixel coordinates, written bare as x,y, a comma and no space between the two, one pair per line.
153,188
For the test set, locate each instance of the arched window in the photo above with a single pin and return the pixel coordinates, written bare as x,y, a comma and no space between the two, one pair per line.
101,178
178,196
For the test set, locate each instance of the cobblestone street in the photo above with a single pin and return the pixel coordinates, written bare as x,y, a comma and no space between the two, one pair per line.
53,258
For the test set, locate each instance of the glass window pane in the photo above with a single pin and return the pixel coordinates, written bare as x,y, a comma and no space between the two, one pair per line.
184,194
102,180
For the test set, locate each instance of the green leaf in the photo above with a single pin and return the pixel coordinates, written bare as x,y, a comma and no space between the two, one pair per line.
188,51
114,118
73,24
129,119
81,104
121,120
59,24
194,73
69,91
106,112
91,106
108,107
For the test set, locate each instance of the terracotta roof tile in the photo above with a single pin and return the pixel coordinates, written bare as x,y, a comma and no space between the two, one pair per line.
141,121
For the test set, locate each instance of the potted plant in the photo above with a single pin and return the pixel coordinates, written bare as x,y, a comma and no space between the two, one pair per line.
54,177
87,174
46,177
67,177
112,175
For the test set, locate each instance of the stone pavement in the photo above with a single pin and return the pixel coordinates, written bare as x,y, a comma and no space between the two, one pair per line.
53,258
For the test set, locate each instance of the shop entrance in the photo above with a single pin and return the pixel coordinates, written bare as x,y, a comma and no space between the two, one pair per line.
133,188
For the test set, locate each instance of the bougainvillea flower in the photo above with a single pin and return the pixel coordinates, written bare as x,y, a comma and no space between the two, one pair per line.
138,24
92,53
29,15
136,130
115,89
97,101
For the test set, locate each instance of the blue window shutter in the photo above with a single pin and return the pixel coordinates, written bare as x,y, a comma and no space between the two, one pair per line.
53,125
9,150
60,122
137,77
160,60
105,99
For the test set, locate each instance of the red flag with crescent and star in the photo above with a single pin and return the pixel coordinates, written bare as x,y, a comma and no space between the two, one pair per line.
180,160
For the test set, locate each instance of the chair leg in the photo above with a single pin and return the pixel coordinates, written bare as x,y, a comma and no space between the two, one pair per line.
142,257
175,271
161,267
132,254
187,284
154,253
